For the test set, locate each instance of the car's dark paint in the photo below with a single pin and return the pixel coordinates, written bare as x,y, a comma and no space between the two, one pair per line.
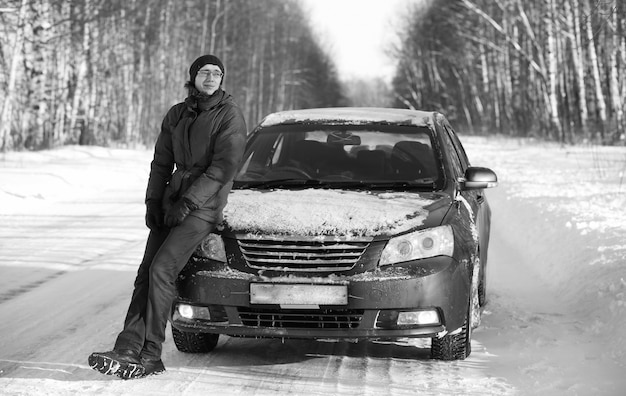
429,285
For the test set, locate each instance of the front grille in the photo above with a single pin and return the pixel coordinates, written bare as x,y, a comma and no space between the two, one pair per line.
301,319
320,255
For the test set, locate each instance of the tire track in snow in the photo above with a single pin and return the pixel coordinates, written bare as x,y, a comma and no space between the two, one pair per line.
13,293
56,239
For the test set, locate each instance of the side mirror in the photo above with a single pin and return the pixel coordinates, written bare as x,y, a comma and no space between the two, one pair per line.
478,178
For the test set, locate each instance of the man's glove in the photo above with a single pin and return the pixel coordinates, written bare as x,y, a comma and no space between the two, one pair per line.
177,213
154,214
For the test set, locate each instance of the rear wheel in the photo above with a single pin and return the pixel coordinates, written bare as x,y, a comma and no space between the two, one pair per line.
482,285
194,342
482,292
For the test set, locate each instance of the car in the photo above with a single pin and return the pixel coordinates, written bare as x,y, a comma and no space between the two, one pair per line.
344,224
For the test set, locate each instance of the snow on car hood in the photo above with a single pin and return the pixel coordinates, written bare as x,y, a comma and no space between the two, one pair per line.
324,212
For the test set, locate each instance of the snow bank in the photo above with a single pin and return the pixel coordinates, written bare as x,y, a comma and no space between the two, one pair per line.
567,208
29,179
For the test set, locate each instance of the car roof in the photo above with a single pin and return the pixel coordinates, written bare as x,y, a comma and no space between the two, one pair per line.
353,115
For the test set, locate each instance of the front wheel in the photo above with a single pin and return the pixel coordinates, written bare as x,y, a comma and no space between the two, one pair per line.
194,342
453,346
458,346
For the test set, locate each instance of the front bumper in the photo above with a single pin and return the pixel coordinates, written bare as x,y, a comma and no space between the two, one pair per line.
374,302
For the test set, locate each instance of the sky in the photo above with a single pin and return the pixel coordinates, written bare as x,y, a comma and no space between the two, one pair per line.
357,33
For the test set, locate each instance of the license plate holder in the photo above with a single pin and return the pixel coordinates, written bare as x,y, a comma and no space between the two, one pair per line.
298,295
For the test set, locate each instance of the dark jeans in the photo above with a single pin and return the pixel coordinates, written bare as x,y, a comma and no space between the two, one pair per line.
167,252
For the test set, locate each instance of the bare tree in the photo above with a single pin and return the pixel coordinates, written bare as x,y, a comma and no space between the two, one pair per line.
105,72
553,69
6,118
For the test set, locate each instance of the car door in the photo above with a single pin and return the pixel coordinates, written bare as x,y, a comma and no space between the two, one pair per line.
459,163
476,199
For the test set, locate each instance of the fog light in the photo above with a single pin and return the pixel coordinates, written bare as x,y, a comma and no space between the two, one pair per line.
425,317
193,312
186,311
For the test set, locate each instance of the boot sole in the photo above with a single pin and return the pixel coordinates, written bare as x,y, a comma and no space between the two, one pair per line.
131,371
161,372
108,366
150,369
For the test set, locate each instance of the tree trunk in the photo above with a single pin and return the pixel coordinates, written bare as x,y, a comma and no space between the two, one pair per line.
573,22
552,70
616,99
81,75
593,60
218,13
205,27
6,118
129,77
484,69
505,71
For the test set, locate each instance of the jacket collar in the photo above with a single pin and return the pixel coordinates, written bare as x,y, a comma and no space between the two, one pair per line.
199,102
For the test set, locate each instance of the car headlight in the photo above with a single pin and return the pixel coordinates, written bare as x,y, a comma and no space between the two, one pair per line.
213,248
438,241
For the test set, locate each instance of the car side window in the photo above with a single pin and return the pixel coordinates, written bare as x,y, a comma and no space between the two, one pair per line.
452,154
458,147
277,148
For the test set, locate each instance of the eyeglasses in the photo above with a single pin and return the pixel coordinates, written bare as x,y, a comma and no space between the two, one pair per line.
206,73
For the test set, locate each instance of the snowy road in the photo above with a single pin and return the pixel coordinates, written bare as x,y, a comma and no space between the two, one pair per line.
70,243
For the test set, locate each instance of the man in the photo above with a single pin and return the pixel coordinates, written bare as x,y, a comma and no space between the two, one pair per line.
195,159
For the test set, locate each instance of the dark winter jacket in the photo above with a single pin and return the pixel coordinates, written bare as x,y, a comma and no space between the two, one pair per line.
197,154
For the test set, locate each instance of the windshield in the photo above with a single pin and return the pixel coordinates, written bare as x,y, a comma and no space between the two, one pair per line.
340,156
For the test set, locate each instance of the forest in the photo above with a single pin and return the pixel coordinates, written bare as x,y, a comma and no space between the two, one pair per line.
552,69
104,72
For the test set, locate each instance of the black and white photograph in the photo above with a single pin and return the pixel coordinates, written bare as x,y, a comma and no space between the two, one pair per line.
313,197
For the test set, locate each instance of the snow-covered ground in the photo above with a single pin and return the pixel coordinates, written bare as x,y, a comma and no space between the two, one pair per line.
72,235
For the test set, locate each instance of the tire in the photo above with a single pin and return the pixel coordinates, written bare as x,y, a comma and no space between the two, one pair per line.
482,285
194,342
458,346
453,347
475,306
482,292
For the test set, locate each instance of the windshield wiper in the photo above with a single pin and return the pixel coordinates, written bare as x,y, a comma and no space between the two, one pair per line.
290,182
387,185
413,184
420,184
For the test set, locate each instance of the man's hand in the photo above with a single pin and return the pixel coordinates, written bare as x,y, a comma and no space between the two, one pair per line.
177,213
154,214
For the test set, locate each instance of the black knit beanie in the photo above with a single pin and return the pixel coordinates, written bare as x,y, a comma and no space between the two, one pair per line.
204,60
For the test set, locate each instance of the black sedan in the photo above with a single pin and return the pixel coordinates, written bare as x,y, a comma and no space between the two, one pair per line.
345,223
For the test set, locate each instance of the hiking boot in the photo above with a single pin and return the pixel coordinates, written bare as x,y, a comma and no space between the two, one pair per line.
152,367
124,363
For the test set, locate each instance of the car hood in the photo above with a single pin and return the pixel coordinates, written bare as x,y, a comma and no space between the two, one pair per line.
321,212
